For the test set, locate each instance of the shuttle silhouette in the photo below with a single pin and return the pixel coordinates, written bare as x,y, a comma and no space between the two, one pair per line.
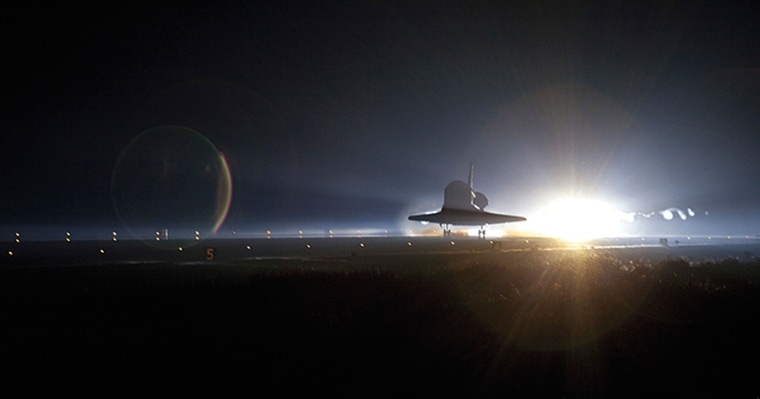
464,207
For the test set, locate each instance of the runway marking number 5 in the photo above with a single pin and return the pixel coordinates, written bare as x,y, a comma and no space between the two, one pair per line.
209,254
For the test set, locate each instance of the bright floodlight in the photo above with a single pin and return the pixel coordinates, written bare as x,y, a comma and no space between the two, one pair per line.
578,219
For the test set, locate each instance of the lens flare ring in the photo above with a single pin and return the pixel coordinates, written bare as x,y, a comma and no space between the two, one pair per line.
171,179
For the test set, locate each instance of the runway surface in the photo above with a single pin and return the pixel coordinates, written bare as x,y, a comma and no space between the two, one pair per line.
237,250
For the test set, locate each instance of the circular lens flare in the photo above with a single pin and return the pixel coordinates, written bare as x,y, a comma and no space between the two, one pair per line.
223,194
171,179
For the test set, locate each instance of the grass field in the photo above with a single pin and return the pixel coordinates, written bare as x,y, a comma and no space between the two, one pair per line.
535,323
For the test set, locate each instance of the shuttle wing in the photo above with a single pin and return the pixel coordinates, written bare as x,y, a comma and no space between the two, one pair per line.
466,217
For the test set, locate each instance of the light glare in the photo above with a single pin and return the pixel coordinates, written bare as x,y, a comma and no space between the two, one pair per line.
579,219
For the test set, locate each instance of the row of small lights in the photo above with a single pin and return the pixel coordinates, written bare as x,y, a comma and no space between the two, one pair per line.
67,239
247,247
197,237
114,235
330,233
361,244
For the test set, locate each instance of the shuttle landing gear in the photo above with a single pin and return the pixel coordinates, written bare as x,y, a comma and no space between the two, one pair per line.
446,229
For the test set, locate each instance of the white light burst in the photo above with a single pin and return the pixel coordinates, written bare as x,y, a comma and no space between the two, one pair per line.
579,219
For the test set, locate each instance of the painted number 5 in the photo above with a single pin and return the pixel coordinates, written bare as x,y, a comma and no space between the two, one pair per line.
209,254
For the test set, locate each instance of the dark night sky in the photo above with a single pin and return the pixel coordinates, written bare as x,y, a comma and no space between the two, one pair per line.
360,113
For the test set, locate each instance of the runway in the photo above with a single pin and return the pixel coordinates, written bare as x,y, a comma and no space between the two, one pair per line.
241,250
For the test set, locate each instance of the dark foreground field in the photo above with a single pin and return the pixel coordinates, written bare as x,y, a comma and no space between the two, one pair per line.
536,323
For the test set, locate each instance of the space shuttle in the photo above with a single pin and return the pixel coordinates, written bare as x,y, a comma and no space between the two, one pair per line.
465,207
